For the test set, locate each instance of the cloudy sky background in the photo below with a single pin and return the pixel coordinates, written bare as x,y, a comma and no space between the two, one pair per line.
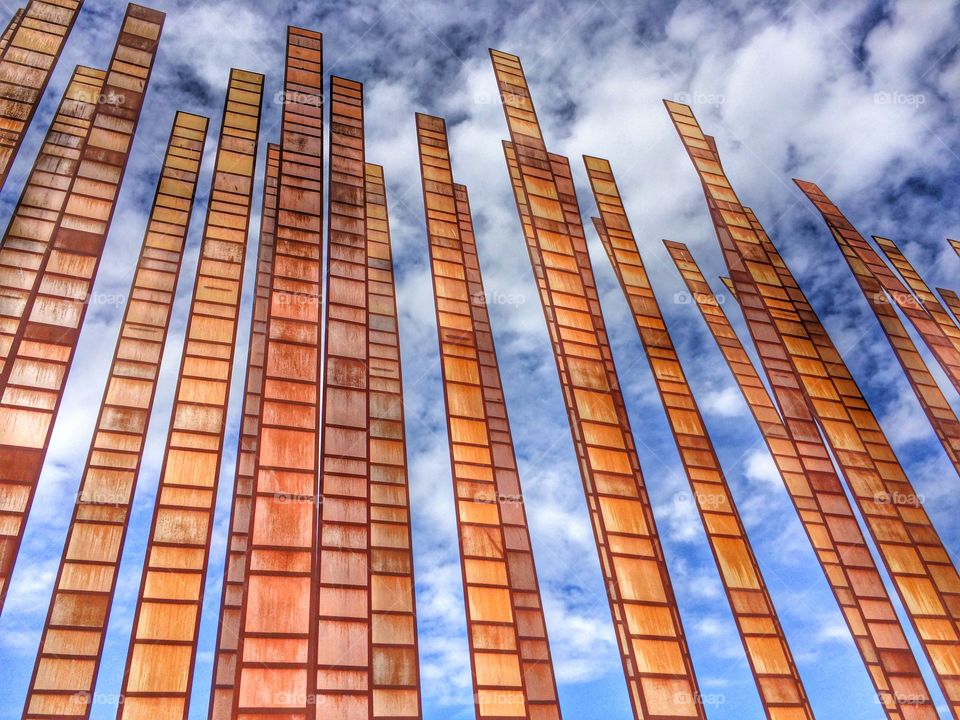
858,97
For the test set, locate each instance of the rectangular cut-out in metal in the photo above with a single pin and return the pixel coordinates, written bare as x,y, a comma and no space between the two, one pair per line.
41,347
513,672
771,661
72,642
163,646
654,653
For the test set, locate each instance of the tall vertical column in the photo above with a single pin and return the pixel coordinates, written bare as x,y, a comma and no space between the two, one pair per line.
163,646
826,514
513,672
277,638
393,615
41,352
944,346
72,643
774,669
26,63
343,680
235,565
815,375
654,652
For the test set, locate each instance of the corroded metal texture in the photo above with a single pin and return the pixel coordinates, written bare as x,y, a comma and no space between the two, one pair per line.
160,660
73,635
393,616
815,376
276,637
941,336
654,652
513,672
823,508
771,661
28,57
235,564
48,325
343,678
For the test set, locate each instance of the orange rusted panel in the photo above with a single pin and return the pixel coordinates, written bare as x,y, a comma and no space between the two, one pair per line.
393,615
235,565
822,506
160,659
33,43
934,326
72,643
779,315
951,300
275,640
344,670
654,652
513,672
774,669
42,346
9,30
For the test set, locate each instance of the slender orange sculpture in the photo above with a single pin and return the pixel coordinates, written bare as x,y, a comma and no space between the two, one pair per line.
771,661
825,512
393,615
9,30
42,347
160,660
72,643
943,343
778,313
27,61
513,672
276,639
952,301
235,565
344,667
654,653
934,403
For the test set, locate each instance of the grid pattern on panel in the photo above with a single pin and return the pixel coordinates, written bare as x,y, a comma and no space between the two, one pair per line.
26,63
510,656
823,508
393,616
771,661
33,378
275,639
343,680
778,314
649,631
10,30
932,400
159,664
27,239
919,287
235,565
73,636
951,300
940,335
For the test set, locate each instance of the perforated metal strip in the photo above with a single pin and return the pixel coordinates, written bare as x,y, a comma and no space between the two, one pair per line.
343,658
771,661
41,350
235,565
941,336
510,655
823,508
932,400
649,631
163,646
275,639
26,63
396,667
778,314
72,643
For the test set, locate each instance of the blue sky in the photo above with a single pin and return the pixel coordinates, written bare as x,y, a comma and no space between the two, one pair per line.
859,97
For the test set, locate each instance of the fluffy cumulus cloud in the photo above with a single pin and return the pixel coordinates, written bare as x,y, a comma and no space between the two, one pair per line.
858,97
